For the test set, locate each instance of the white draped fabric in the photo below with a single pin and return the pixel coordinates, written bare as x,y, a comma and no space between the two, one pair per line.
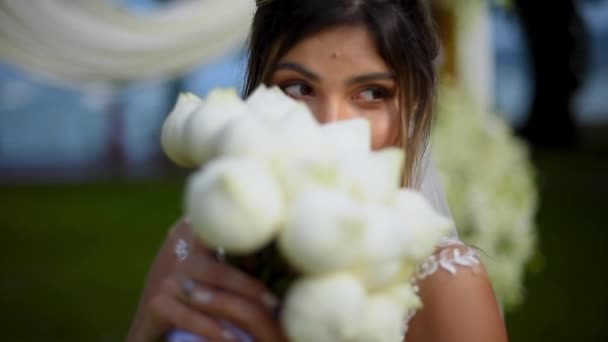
97,40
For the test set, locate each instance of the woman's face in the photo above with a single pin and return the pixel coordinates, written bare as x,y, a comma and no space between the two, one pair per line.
339,74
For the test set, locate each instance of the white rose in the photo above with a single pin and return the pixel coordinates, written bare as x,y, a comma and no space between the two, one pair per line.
327,308
323,231
236,204
423,225
373,177
206,122
172,138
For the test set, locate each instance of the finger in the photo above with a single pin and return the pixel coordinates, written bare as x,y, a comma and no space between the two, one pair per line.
248,315
180,316
197,246
252,317
183,230
215,274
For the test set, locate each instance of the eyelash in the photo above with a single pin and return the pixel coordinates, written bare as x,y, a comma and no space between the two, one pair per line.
288,84
382,92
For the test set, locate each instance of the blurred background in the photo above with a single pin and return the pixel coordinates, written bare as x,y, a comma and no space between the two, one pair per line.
86,194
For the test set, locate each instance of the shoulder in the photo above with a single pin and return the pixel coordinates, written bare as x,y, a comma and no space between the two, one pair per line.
458,301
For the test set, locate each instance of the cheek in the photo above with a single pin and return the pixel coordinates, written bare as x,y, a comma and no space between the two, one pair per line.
385,128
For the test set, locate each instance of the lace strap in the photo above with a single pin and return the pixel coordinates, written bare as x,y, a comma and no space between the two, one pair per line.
448,258
452,253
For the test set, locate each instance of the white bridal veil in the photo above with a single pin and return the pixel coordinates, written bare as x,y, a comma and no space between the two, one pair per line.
432,189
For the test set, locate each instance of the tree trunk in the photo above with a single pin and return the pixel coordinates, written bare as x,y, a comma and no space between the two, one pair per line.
558,49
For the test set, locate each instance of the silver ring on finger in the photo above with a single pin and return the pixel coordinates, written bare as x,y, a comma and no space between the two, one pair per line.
181,250
220,254
188,287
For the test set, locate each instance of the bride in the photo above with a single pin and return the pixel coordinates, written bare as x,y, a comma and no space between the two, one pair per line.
343,58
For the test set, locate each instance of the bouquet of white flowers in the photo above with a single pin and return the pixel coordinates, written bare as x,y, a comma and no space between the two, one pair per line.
328,205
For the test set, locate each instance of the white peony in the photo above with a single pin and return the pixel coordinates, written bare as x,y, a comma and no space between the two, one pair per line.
173,139
424,225
207,121
373,177
323,231
299,175
327,308
384,320
377,275
302,158
270,104
301,135
381,262
296,132
385,233
405,295
335,209
236,204
247,136
386,313
348,136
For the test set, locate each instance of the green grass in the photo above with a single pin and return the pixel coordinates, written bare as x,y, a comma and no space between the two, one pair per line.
75,256
567,300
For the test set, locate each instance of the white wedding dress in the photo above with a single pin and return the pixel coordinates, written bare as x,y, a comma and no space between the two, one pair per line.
446,258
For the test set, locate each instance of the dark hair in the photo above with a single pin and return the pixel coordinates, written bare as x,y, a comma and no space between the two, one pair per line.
404,37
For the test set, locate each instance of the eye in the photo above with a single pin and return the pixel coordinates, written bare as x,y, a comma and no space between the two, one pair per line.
297,90
373,94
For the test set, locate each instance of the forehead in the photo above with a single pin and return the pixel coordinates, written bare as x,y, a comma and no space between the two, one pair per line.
344,47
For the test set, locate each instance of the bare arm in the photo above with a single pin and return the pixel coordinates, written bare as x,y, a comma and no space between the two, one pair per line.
458,307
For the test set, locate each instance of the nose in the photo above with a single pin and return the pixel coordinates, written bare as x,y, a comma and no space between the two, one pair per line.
332,109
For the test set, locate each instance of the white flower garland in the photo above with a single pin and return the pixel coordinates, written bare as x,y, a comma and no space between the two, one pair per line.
489,182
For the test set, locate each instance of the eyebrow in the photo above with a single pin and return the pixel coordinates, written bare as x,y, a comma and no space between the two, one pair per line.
357,79
378,76
299,69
